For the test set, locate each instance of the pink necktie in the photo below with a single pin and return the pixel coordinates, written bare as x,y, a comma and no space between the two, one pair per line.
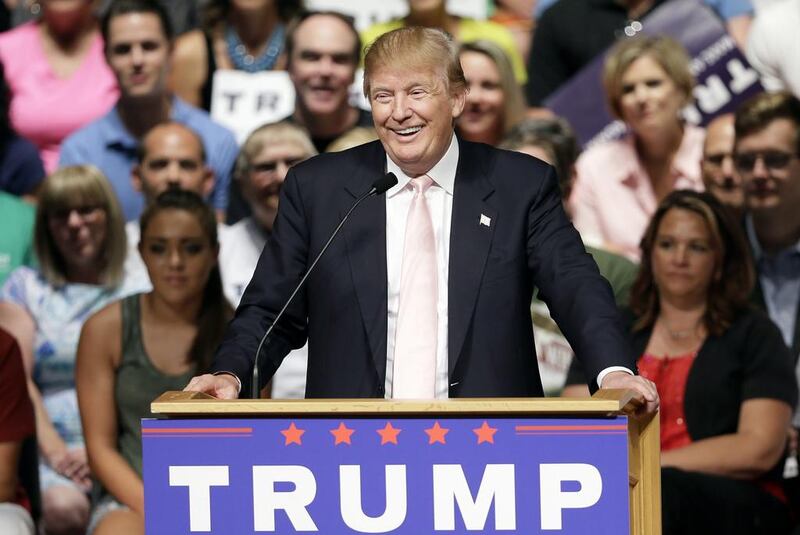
414,373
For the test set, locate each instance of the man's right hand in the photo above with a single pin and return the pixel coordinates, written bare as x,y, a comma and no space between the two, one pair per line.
222,386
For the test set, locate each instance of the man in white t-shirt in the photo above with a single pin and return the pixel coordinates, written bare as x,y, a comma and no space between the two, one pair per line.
263,163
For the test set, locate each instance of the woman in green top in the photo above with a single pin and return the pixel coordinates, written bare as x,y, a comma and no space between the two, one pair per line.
135,349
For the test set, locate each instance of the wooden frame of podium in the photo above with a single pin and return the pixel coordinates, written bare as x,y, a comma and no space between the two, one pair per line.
643,432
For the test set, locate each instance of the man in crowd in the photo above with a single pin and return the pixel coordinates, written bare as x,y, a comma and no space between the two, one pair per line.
171,155
138,40
768,159
266,157
323,50
719,173
427,292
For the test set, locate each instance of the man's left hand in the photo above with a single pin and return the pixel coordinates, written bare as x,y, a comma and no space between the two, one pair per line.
645,388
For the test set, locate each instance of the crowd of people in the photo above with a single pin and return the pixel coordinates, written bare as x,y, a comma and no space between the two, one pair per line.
133,221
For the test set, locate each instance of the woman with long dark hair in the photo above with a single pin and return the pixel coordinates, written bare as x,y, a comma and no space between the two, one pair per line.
135,349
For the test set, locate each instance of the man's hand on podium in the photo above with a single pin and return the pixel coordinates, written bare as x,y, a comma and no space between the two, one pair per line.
644,387
222,386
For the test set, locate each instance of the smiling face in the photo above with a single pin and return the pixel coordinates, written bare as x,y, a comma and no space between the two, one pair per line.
79,232
768,163
138,53
323,64
413,113
684,256
649,98
483,114
178,255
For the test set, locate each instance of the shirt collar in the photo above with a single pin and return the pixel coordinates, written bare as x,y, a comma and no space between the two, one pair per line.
684,164
443,173
758,251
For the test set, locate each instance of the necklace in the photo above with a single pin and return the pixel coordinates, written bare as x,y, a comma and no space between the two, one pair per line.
242,61
679,334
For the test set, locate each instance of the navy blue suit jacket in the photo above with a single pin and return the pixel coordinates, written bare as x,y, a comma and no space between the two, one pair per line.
493,269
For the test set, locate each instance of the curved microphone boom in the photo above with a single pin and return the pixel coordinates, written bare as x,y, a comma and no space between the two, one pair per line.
378,187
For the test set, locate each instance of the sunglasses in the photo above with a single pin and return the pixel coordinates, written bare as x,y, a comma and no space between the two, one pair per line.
773,160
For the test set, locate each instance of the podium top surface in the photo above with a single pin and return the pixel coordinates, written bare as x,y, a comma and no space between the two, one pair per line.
604,402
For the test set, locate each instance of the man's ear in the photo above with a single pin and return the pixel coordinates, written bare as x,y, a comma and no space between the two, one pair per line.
208,182
136,178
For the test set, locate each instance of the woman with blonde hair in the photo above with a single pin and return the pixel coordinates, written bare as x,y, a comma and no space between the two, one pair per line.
495,103
619,183
79,241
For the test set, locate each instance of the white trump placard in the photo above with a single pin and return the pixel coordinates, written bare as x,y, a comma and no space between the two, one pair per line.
244,101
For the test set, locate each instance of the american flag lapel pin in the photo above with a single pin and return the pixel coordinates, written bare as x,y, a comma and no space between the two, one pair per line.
486,220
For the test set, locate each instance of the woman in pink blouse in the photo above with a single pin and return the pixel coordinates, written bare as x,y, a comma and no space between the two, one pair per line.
620,183
57,73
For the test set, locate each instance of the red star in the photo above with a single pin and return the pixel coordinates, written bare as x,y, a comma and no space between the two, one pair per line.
342,434
293,435
436,434
388,434
485,433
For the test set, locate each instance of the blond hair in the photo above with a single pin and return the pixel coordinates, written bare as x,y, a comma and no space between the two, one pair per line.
62,190
270,134
666,51
354,137
513,99
415,48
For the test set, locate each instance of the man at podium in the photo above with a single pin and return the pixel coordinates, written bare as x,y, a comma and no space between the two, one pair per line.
426,293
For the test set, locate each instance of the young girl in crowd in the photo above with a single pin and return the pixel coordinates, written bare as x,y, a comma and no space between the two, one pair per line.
135,349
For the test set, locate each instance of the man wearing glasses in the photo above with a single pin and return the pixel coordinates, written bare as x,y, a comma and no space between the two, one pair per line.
766,157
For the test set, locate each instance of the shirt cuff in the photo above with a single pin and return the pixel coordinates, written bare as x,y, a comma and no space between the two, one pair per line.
239,381
602,374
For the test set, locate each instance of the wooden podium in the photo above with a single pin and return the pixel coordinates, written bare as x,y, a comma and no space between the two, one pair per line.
208,462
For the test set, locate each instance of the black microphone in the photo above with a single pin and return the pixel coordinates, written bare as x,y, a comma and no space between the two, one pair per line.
379,186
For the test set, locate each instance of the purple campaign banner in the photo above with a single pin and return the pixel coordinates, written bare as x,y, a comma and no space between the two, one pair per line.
724,78
398,475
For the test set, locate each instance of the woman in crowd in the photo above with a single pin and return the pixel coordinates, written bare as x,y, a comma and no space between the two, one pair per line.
725,378
494,101
58,74
620,183
237,34
134,350
434,14
79,241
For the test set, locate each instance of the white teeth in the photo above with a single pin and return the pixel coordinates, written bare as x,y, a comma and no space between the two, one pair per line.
409,130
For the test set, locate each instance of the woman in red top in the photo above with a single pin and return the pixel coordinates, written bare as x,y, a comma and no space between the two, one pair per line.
725,378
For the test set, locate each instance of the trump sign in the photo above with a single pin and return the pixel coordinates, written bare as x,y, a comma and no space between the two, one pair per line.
397,475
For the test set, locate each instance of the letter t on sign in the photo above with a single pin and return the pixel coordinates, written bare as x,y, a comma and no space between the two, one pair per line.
199,479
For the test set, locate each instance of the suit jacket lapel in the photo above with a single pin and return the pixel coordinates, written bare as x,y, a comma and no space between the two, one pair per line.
470,240
365,234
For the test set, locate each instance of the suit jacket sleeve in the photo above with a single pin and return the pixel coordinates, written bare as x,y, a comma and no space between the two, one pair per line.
579,298
280,267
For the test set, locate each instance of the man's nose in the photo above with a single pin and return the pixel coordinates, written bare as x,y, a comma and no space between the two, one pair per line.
400,109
